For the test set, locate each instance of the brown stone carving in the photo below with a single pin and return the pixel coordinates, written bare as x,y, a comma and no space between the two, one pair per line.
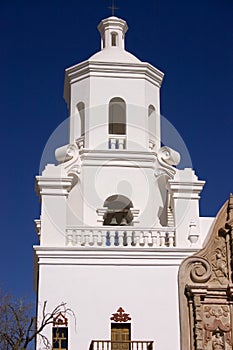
206,289
60,320
120,316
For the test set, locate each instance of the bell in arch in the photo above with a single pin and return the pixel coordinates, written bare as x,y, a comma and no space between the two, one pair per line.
113,221
123,222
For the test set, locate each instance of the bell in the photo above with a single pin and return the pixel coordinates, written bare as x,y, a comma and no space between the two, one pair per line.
123,222
113,221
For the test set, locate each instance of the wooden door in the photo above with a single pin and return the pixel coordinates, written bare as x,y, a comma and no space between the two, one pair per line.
120,337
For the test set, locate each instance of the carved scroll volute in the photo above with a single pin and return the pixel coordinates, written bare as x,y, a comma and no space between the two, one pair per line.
204,283
200,270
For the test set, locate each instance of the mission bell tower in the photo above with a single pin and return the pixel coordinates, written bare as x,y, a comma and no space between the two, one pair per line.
117,216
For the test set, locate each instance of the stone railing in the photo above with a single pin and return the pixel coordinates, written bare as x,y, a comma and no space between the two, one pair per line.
117,142
119,236
121,345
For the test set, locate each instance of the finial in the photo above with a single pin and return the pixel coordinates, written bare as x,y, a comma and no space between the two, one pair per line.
113,8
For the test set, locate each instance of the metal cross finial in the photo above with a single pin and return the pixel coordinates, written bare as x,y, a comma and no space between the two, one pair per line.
113,8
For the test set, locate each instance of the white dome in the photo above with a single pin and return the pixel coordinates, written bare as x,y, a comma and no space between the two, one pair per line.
114,54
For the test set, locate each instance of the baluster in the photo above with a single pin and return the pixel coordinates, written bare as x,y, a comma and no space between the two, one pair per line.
91,238
158,239
154,238
113,143
137,238
132,236
116,240
141,241
128,238
95,238
82,238
112,238
79,238
74,237
146,238
150,242
86,237
103,238
120,238
171,239
162,239
121,143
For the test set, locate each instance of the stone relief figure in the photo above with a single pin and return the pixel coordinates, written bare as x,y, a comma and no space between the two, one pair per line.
219,266
218,341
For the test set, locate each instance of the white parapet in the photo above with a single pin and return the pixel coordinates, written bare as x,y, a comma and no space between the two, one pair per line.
118,236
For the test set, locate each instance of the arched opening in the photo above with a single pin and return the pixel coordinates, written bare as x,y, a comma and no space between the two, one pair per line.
81,113
114,39
151,121
118,211
117,116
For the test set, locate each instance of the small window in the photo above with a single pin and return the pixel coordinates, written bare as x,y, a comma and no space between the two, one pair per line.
114,39
60,338
117,116
60,333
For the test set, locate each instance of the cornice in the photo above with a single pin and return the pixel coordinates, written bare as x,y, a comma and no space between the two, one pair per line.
111,70
53,185
186,189
112,256
120,158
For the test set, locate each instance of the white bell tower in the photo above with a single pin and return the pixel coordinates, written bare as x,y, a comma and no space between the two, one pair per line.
117,216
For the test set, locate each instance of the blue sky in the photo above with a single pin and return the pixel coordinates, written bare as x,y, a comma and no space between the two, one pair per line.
190,41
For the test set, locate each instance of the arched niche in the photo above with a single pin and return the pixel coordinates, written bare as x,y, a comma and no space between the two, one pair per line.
81,118
151,121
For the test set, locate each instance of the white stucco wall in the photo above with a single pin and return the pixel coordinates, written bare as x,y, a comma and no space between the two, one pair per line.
148,293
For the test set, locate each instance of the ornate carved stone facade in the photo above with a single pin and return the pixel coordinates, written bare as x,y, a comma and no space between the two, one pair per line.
206,289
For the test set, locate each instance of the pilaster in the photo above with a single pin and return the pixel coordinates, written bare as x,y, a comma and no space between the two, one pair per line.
53,188
185,191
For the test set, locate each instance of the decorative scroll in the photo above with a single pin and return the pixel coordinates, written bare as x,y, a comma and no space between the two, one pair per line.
206,290
120,316
60,320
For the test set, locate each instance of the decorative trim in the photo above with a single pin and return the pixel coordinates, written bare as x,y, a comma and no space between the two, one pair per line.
60,320
123,70
120,316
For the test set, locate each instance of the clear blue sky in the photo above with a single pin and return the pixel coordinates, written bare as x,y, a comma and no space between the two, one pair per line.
190,41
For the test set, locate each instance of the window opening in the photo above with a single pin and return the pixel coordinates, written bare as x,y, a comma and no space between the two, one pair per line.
118,211
114,39
60,333
117,116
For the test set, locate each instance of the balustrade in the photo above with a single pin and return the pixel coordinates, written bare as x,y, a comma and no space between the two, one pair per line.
109,236
117,141
121,345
